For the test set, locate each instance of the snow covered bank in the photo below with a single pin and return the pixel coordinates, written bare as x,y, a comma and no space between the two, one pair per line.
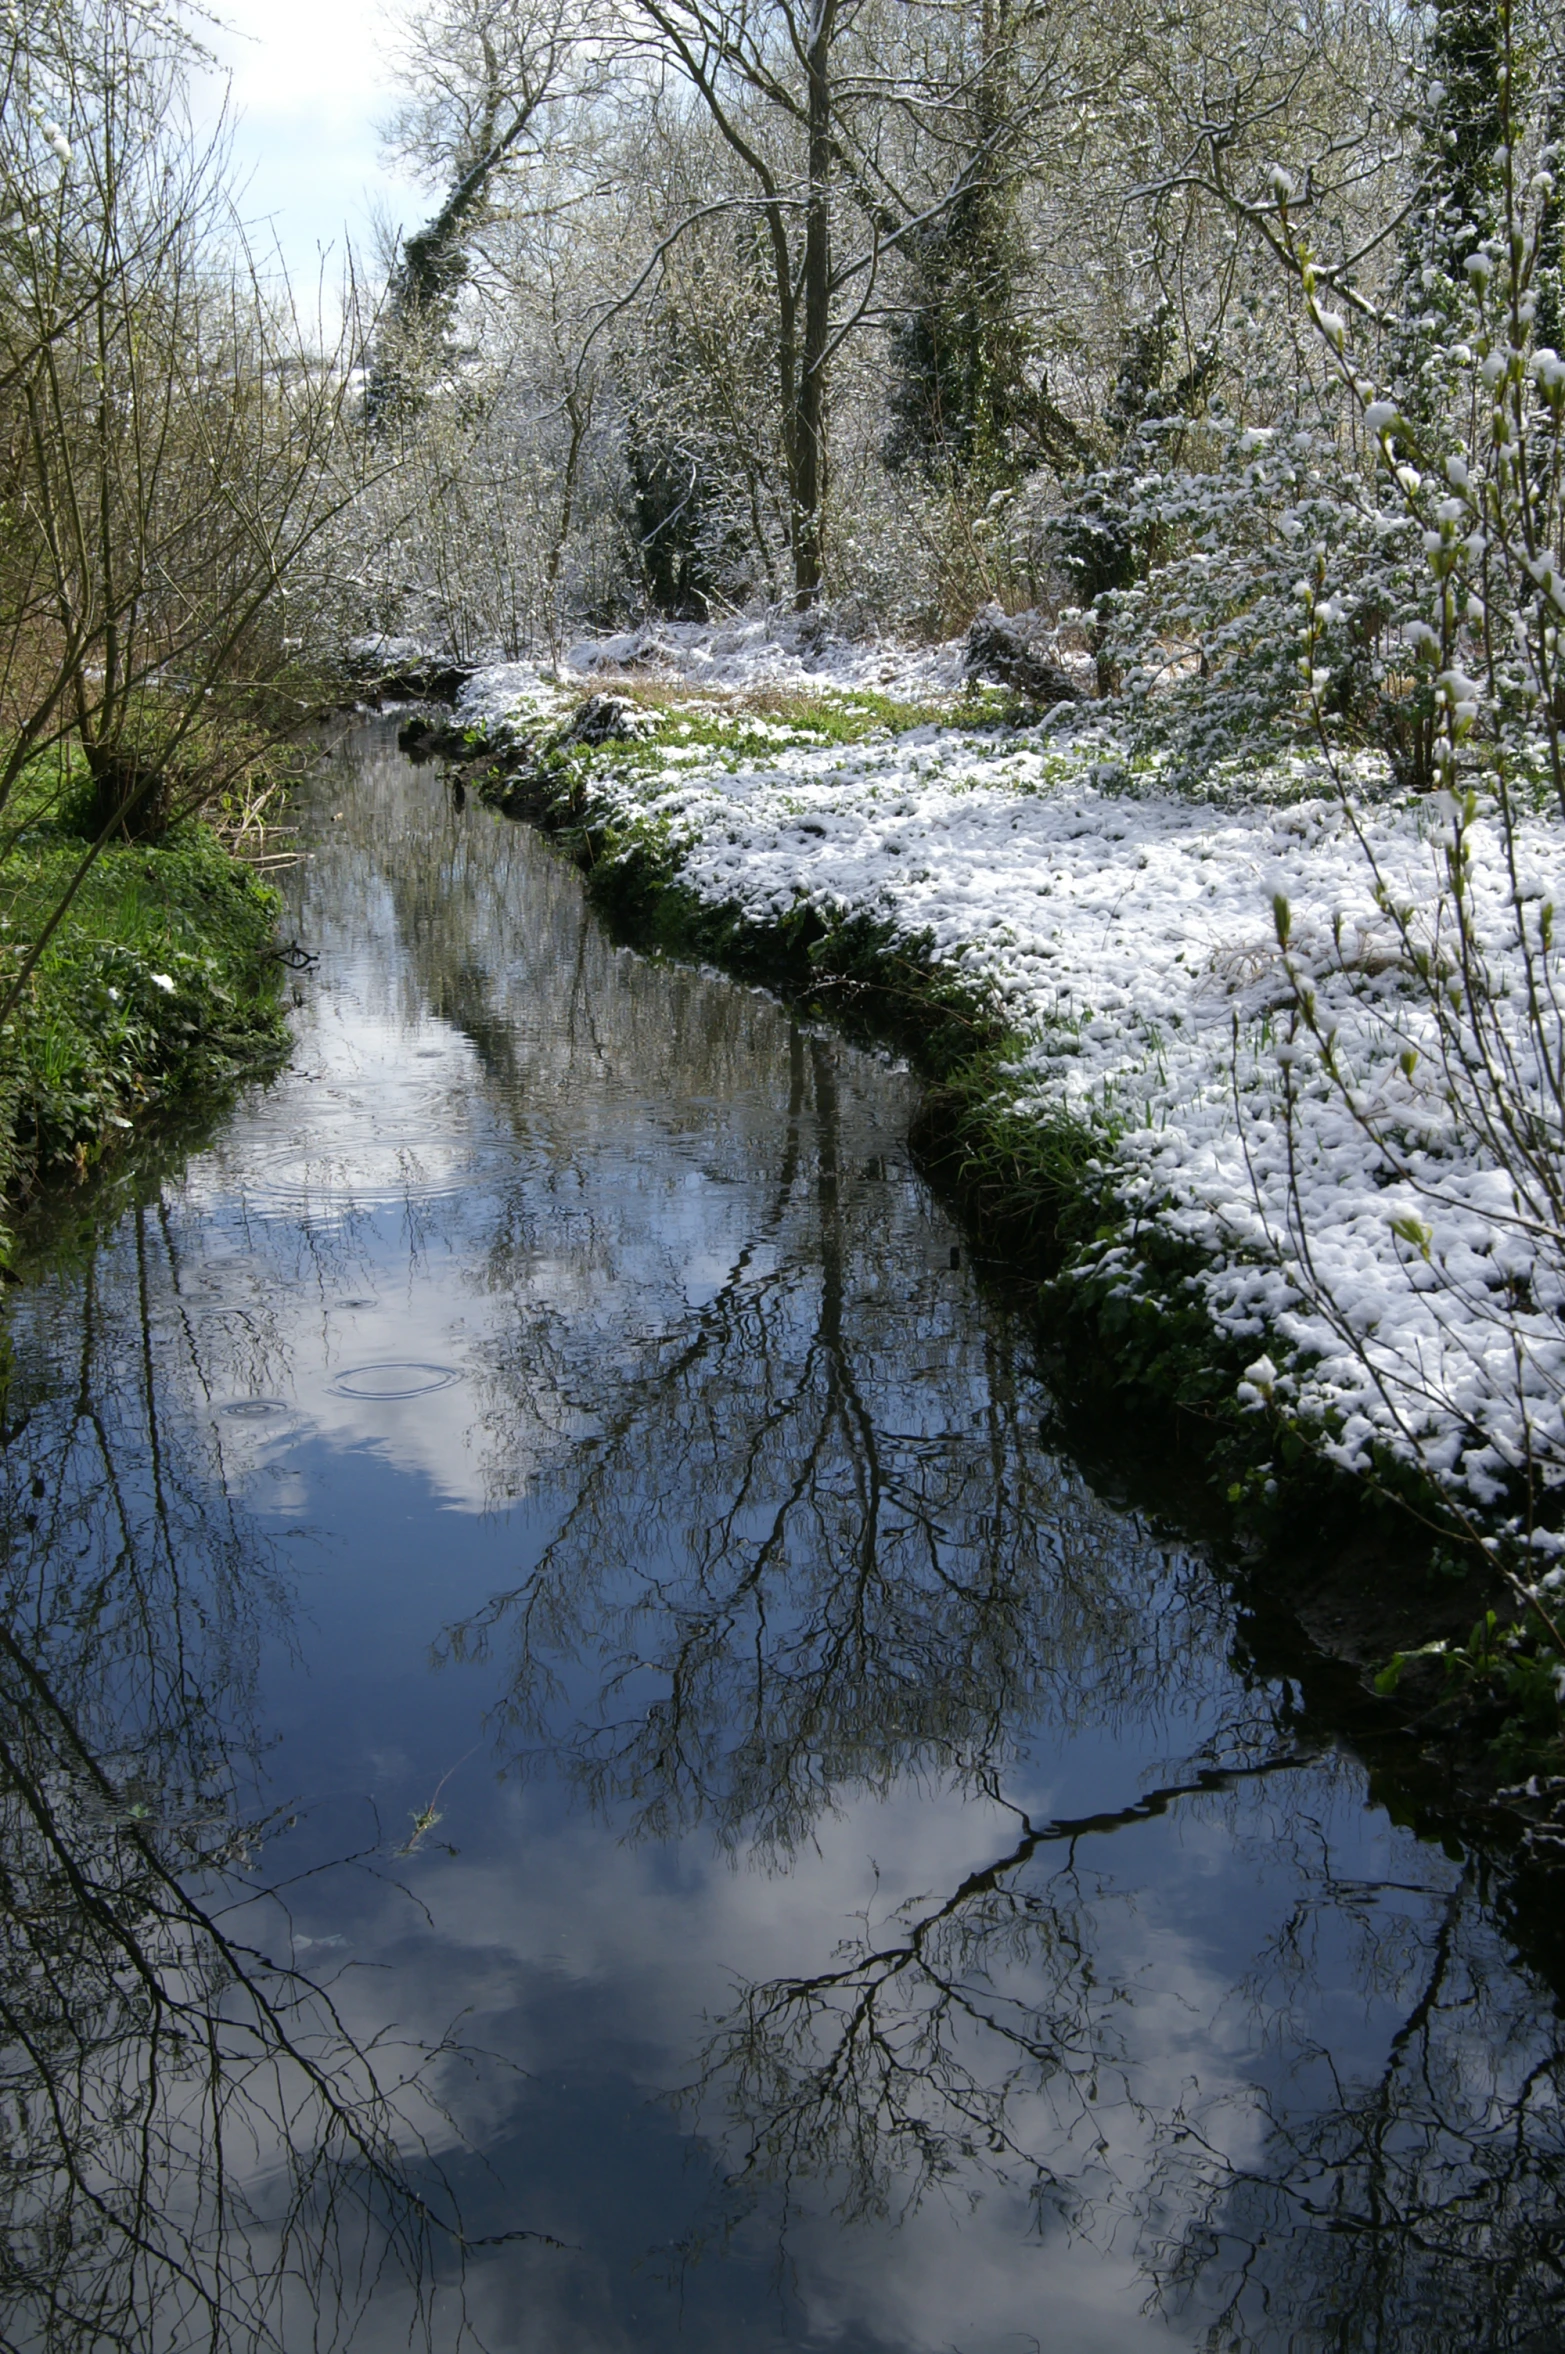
1403,1308
772,655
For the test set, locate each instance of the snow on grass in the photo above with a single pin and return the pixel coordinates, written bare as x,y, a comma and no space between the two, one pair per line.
513,696
771,651
762,655
1128,937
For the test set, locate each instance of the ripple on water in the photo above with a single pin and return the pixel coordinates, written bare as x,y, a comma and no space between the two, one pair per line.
395,1379
381,1171
255,1409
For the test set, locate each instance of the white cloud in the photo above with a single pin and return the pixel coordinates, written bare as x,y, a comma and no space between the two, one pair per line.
308,83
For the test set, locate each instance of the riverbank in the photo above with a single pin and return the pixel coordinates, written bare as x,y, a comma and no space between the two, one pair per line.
160,987
1086,966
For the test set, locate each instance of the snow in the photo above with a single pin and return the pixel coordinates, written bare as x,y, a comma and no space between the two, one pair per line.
767,653
512,695
1411,1301
777,652
388,651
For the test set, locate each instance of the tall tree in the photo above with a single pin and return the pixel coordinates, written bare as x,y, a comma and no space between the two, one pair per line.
968,398
835,116
489,77
1460,131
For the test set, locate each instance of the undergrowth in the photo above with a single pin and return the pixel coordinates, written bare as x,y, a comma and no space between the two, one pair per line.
160,986
674,725
683,716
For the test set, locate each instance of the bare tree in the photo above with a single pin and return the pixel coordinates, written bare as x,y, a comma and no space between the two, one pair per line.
199,2149
171,451
821,136
490,80
840,121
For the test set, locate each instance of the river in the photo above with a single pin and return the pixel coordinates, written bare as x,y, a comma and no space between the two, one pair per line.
578,1769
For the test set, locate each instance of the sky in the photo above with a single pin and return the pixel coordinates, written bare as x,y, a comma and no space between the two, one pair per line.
309,87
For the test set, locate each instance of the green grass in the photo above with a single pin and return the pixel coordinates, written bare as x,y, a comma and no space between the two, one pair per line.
757,726
158,989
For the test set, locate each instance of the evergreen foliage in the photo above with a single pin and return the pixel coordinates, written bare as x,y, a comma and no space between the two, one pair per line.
1454,199
1111,533
1464,125
969,400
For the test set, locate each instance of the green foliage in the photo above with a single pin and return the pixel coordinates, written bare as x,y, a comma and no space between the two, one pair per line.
223,764
1460,199
668,503
1108,538
759,726
968,401
1207,646
158,985
697,428
755,729
1466,123
1514,1667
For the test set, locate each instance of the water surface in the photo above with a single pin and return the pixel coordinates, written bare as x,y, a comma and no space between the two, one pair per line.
553,1670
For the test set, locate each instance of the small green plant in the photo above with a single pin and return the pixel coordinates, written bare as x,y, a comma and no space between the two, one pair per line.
1515,1664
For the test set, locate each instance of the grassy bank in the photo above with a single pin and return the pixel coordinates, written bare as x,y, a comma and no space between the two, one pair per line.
159,988
1383,1569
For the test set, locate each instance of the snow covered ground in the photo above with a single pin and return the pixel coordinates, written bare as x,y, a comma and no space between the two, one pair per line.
741,657
1130,937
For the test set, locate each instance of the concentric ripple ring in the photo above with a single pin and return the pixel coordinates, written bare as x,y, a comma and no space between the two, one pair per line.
394,1379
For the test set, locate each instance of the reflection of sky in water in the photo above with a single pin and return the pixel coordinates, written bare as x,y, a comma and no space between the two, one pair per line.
566,1330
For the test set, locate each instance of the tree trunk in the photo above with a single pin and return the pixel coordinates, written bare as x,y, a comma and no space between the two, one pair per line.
130,796
808,438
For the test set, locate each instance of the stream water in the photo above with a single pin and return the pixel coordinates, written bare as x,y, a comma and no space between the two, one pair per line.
575,1768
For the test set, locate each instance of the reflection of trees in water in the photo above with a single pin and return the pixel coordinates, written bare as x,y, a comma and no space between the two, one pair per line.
1398,2187
812,1543
196,2150
815,1542
936,2037
833,1443
811,1547
1414,2200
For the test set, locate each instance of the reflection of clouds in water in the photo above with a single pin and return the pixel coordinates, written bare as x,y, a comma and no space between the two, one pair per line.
329,1177
982,2283
423,1425
525,1202
528,1257
985,2280
646,1941
390,1382
369,1125
286,1492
